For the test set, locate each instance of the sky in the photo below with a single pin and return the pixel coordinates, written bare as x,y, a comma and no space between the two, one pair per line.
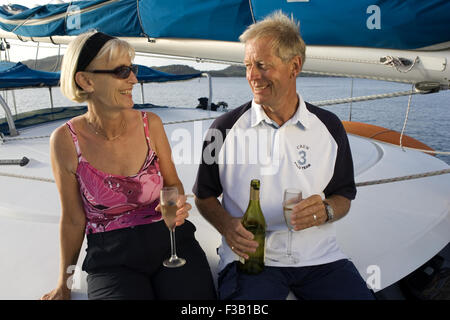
21,51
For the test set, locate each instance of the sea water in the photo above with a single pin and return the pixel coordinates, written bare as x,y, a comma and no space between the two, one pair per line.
428,120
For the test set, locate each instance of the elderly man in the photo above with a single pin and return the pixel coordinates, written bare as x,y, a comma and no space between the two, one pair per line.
286,143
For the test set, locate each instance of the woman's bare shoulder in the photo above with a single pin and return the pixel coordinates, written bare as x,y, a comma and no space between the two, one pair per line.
62,147
153,117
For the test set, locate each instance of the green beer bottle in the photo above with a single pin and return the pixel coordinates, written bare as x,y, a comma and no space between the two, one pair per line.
254,222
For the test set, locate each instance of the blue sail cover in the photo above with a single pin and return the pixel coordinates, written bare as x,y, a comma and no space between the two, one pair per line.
118,18
20,76
212,19
395,24
198,19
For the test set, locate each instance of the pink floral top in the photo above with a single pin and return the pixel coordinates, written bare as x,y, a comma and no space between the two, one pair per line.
112,201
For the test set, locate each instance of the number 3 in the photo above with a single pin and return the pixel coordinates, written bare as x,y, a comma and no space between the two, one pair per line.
302,160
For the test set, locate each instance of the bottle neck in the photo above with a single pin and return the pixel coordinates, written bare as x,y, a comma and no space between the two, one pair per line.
254,195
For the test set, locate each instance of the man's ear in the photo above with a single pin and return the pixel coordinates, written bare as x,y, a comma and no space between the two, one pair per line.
84,82
296,65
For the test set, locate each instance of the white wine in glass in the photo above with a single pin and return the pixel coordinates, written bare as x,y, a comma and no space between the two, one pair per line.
290,198
168,201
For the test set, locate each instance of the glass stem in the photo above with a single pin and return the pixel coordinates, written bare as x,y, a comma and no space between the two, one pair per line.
172,244
289,253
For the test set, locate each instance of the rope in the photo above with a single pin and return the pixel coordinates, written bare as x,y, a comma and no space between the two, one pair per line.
37,54
406,118
351,102
363,98
359,184
359,76
398,63
427,151
24,138
402,178
345,59
20,176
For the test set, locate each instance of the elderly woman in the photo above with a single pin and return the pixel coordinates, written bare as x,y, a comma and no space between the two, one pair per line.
109,165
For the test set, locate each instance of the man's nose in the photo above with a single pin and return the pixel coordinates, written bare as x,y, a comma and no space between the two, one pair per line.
253,73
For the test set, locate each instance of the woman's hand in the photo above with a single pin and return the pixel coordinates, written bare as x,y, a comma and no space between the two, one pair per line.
59,293
182,211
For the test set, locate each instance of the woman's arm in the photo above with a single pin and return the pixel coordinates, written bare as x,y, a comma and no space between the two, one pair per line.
72,222
161,146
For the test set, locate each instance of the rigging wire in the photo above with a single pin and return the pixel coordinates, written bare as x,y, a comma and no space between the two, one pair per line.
58,59
359,184
3,139
36,58
351,102
406,119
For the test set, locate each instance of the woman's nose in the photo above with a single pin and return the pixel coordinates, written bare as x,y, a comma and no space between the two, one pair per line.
132,77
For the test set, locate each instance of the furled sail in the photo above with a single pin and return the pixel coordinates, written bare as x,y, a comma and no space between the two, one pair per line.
395,24
396,40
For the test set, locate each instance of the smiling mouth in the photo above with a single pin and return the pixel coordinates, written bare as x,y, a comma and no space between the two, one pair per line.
126,92
258,88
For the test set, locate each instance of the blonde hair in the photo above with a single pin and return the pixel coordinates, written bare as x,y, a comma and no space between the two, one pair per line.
284,34
112,49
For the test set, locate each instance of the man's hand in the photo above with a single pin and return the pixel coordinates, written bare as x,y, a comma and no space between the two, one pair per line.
311,211
238,238
308,213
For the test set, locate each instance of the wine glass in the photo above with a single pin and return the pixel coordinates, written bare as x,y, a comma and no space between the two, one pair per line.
168,201
290,198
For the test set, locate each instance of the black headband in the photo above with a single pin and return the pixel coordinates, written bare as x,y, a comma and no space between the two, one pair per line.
91,48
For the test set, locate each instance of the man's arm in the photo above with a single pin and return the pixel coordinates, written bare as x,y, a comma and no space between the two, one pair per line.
238,238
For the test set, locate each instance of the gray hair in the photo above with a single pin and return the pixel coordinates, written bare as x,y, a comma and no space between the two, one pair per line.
283,32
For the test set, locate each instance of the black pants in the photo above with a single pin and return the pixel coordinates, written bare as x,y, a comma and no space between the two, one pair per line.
127,264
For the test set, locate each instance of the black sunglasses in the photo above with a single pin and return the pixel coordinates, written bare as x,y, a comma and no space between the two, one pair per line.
122,72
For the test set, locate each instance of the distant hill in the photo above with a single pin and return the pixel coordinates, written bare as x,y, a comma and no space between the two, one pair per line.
53,63
231,71
177,69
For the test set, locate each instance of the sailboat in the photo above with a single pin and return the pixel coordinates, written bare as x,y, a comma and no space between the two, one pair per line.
401,216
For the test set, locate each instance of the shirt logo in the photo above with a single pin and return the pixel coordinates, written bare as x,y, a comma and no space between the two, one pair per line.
302,161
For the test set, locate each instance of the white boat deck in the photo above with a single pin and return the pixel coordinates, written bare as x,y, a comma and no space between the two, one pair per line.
391,230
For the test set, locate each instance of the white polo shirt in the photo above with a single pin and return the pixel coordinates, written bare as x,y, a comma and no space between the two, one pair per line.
309,152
